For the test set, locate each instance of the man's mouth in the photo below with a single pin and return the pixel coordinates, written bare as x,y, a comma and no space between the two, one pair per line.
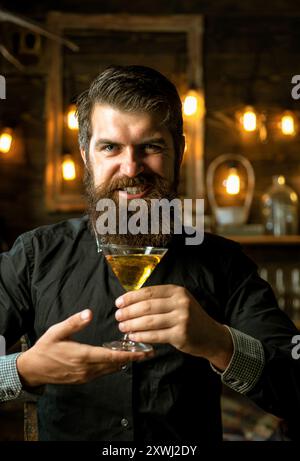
134,192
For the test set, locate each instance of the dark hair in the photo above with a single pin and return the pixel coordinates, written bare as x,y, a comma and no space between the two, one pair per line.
132,89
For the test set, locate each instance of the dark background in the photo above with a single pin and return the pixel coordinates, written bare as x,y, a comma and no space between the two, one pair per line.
251,51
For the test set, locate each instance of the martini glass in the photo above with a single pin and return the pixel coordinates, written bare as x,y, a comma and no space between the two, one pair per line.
132,266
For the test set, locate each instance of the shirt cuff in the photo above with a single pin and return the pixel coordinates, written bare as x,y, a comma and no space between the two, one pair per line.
10,384
246,364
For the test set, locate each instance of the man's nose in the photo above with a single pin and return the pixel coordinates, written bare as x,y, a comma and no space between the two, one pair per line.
131,164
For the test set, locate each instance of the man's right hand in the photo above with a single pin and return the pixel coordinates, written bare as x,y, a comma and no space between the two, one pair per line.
57,359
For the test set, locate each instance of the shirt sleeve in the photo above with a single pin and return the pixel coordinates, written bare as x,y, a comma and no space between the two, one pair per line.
10,384
251,308
246,364
16,307
16,310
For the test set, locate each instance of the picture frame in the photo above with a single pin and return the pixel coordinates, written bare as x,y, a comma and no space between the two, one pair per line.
184,60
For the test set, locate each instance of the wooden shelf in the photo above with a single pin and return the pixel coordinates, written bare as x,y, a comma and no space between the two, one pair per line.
265,239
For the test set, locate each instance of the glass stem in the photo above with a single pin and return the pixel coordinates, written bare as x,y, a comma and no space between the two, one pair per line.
126,342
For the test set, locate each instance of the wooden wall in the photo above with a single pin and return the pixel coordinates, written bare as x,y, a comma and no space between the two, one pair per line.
246,48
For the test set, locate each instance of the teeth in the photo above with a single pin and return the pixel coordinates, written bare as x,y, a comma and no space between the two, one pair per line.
133,190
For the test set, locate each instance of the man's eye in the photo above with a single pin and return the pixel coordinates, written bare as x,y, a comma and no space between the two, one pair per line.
109,147
153,148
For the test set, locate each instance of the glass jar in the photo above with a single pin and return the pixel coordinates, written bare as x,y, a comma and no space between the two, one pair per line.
280,208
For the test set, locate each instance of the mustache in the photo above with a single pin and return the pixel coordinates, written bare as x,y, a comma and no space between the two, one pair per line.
113,185
159,188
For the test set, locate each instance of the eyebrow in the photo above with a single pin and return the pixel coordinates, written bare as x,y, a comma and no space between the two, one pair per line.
160,141
102,141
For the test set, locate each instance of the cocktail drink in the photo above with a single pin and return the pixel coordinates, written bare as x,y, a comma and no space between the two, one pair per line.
132,266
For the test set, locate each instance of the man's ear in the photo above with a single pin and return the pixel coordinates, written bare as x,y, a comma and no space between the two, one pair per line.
83,155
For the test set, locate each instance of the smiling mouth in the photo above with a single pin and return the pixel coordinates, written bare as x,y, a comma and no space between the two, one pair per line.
134,191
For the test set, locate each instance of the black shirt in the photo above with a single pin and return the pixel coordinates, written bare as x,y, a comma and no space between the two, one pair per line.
55,271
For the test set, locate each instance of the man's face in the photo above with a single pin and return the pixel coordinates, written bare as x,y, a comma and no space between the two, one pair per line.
126,145
131,156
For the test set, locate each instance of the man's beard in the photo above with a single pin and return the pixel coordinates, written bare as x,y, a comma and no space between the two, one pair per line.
159,188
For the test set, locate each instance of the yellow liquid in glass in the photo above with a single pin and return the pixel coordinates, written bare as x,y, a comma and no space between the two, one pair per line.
133,270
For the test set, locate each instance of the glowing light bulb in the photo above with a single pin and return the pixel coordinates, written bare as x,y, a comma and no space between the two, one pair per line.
281,180
232,182
5,141
294,197
193,104
190,105
249,120
68,169
72,119
287,125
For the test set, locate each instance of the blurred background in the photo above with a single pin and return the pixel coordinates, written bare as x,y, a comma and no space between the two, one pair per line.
236,66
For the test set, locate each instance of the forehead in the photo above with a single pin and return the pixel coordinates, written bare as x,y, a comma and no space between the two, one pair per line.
111,121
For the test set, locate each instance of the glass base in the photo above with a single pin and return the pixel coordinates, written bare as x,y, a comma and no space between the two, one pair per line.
128,346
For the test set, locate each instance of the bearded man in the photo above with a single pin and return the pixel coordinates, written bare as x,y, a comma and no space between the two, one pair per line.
209,316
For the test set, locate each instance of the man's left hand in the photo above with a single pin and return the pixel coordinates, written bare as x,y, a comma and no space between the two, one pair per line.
170,314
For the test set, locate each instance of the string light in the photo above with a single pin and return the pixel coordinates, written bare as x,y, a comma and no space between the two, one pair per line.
72,119
193,104
232,182
5,140
68,168
287,124
249,119
190,105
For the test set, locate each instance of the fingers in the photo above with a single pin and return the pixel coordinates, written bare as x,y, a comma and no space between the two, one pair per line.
153,337
148,322
148,307
114,358
71,325
146,293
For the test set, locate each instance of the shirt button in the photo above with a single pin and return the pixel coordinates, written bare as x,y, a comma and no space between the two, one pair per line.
124,422
124,367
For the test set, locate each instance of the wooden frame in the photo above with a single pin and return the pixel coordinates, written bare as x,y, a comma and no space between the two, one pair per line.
191,25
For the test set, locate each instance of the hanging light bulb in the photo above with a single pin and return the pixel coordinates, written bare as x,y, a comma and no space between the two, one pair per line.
190,105
249,119
68,168
193,104
72,119
287,124
232,182
230,188
5,140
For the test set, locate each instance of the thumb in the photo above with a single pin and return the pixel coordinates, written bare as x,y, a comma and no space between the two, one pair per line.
76,322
